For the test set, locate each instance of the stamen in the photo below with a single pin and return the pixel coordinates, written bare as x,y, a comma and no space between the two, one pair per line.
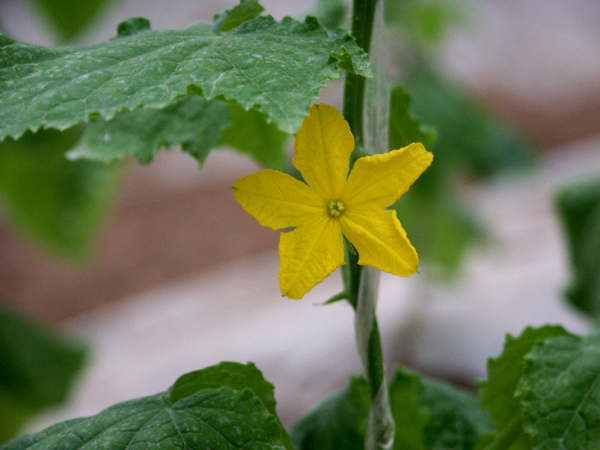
336,208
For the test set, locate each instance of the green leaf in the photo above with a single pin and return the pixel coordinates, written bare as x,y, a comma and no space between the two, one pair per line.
457,421
498,392
198,125
59,203
579,207
215,417
231,374
192,121
428,415
560,392
244,11
132,26
404,128
504,373
277,67
339,422
331,13
70,17
235,376
37,370
249,133
409,415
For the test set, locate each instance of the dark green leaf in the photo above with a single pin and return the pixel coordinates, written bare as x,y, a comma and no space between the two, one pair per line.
408,412
579,206
504,373
404,128
331,13
219,419
277,67
70,17
232,375
498,392
58,202
457,421
339,422
250,133
470,139
244,11
132,26
192,121
560,392
37,370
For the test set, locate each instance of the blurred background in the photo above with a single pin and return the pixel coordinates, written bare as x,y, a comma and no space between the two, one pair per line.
157,271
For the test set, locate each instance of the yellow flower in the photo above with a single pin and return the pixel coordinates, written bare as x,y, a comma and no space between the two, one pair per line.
334,204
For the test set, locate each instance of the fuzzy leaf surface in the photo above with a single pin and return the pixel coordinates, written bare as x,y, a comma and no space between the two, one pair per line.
277,67
560,391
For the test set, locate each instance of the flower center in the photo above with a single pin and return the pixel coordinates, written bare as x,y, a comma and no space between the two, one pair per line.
336,208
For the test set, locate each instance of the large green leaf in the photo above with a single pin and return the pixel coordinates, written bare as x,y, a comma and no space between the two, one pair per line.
456,420
58,202
579,206
235,376
197,124
340,422
215,417
428,415
192,122
277,67
497,393
560,391
37,370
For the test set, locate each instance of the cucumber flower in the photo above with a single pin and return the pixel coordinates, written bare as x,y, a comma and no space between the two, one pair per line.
333,204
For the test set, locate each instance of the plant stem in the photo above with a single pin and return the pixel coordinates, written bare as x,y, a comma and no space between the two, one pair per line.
361,284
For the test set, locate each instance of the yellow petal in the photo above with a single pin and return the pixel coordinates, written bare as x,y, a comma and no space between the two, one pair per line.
309,254
382,179
380,240
323,148
277,200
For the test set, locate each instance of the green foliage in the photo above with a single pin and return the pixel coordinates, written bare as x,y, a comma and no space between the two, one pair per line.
235,376
201,414
58,202
191,121
448,231
70,17
560,392
579,207
339,422
197,124
428,415
249,133
234,17
277,67
504,373
37,370
331,13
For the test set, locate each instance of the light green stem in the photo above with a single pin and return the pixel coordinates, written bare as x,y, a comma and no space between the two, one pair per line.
361,283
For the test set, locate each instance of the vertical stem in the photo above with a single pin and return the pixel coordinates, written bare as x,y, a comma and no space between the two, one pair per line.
362,283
